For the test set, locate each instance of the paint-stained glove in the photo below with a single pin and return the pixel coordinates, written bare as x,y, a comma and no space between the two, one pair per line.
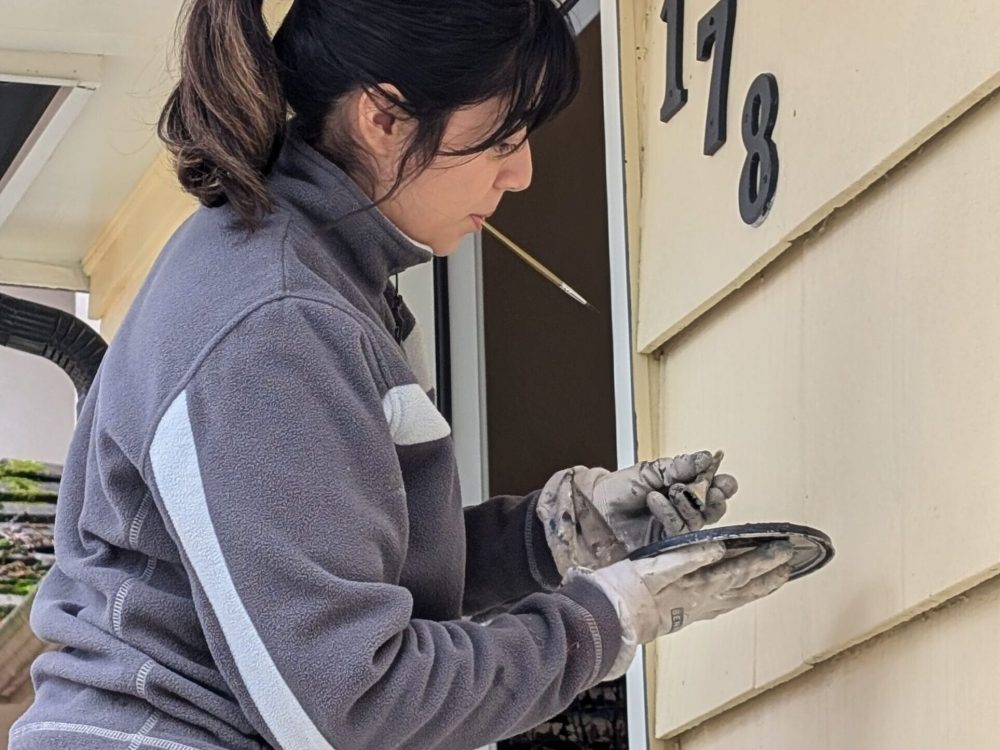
660,595
593,517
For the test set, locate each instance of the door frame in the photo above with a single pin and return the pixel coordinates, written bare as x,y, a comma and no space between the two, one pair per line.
621,318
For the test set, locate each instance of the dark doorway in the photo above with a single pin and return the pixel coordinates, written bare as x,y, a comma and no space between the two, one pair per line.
549,375
549,378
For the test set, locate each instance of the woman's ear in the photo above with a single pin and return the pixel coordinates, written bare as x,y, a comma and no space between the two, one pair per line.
382,127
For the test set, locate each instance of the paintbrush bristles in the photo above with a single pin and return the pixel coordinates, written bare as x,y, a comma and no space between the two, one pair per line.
523,255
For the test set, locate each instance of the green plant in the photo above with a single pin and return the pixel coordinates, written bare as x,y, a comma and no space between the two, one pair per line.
15,467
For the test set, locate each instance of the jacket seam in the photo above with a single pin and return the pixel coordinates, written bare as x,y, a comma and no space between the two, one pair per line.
135,527
141,676
372,317
102,732
116,611
119,606
144,731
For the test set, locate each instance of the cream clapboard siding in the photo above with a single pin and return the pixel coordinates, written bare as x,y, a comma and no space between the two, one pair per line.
853,382
931,684
854,387
118,262
861,85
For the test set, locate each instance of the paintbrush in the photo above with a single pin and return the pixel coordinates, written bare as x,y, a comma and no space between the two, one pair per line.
523,254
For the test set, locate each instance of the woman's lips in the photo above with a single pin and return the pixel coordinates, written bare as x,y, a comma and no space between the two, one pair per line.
478,221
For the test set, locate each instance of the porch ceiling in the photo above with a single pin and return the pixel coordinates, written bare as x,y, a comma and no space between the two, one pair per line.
119,50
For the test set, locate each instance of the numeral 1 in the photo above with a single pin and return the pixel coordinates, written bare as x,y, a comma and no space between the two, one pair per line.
715,26
676,96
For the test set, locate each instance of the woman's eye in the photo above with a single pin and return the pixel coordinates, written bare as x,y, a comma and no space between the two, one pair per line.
506,149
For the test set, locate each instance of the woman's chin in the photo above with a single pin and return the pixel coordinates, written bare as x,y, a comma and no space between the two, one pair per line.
444,248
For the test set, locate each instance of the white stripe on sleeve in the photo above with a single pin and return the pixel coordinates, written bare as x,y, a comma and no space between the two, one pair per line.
178,478
412,417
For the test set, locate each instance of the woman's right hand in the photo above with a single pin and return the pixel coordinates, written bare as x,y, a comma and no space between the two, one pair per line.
662,594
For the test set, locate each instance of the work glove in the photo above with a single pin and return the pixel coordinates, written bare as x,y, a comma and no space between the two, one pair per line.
593,517
660,595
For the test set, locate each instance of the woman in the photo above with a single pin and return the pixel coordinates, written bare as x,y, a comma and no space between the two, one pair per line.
260,540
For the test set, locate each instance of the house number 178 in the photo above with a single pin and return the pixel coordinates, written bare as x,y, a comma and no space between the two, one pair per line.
759,178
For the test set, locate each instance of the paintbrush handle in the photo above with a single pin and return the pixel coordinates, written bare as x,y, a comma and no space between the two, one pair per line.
523,255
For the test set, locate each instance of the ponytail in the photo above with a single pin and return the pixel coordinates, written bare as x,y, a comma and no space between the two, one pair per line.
225,119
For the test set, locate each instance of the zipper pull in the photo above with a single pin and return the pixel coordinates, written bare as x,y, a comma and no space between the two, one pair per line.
394,304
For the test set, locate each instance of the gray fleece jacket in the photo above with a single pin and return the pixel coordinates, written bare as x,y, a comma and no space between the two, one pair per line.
260,539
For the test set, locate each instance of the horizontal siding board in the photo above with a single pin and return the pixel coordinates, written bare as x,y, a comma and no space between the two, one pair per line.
927,685
854,389
862,85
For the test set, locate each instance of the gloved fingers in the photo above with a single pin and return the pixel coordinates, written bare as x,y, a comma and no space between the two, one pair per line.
666,471
716,506
726,484
687,505
665,512
736,572
655,531
686,467
595,535
659,572
759,587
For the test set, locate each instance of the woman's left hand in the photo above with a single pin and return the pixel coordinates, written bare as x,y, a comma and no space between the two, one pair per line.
593,517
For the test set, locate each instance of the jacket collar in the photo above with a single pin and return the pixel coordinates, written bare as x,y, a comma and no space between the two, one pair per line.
319,193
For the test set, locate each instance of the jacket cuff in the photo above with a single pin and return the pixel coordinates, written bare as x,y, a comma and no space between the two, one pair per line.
599,623
540,563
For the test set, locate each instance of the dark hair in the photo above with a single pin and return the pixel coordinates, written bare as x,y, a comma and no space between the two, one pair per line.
226,119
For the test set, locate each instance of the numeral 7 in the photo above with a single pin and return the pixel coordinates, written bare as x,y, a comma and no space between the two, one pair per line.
717,25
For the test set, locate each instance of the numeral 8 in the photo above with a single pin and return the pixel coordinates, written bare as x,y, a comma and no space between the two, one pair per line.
759,178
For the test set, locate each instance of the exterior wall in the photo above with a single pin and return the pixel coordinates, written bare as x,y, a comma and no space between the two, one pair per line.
118,262
37,414
37,399
927,685
840,353
861,86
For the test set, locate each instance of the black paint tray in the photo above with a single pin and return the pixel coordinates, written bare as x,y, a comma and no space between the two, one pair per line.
813,548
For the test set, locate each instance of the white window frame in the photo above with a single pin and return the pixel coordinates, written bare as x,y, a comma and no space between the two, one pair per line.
77,78
621,324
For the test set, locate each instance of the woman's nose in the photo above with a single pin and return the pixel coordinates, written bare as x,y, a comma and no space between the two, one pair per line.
517,169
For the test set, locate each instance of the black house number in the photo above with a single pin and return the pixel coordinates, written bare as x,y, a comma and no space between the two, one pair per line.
759,178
